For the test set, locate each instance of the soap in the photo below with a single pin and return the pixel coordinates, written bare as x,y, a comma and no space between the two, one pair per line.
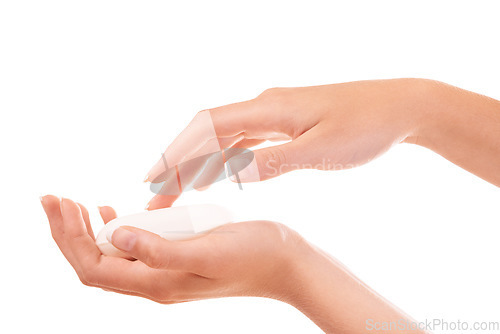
177,223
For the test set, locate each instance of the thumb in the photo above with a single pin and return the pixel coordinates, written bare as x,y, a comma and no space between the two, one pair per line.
263,164
159,253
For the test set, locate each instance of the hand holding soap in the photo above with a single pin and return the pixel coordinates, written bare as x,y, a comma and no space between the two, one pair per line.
177,223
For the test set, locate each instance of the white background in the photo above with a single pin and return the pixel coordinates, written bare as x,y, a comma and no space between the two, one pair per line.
92,92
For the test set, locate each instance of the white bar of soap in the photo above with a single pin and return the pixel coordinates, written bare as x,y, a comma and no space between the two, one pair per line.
177,223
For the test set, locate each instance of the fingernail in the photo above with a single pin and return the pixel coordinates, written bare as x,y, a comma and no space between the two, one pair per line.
123,239
41,199
147,207
61,201
146,179
245,167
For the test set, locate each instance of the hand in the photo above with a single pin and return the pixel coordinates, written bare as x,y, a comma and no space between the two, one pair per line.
328,127
241,259
260,258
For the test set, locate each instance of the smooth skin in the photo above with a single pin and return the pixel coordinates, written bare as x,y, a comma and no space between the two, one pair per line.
328,127
232,260
335,127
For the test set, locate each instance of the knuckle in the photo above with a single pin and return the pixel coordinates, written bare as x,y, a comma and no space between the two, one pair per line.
164,296
276,95
196,119
201,116
89,277
83,280
156,260
275,158
197,116
277,230
281,235
271,92
86,279
283,232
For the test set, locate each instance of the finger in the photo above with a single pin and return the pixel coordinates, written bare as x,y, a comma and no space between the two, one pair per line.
158,253
125,276
119,275
95,269
166,186
185,170
180,178
161,201
86,219
189,169
212,172
169,191
161,286
52,207
209,168
215,169
129,293
107,213
267,163
170,187
200,133
163,171
207,125
242,117
81,244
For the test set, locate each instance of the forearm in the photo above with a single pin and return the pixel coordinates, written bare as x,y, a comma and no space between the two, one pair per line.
463,127
337,301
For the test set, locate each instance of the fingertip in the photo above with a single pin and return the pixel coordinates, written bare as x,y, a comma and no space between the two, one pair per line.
51,204
50,198
66,203
161,201
107,213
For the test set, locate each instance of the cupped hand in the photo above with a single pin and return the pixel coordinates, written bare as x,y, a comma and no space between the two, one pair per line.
241,259
327,127
259,258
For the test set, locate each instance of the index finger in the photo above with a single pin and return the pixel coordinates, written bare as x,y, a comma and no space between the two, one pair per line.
201,135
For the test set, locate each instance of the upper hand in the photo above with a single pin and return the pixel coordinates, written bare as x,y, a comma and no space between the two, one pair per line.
328,127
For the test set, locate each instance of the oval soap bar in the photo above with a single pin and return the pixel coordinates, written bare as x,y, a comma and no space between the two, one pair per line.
177,223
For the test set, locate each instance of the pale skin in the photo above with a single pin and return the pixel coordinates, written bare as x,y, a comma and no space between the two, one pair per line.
257,258
349,124
336,127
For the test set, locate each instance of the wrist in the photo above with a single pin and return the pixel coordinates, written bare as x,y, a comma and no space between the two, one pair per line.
421,110
461,126
326,292
293,260
312,276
